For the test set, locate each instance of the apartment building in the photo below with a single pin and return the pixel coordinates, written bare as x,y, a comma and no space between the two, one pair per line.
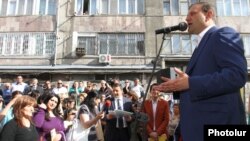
101,39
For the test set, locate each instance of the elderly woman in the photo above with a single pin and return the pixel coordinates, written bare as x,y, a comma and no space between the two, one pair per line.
21,128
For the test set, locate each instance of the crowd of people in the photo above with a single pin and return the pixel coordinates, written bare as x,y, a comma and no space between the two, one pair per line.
47,111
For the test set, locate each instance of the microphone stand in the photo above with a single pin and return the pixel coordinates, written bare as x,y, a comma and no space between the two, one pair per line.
144,120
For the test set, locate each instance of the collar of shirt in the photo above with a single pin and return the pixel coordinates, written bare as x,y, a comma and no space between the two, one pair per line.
118,98
154,101
201,35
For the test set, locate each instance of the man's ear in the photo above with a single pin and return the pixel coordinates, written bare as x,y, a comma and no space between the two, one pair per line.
209,15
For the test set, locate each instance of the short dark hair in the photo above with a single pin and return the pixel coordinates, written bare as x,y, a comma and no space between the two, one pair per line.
151,87
117,85
205,7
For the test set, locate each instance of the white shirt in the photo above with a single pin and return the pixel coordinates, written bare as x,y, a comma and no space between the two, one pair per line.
201,35
61,90
19,87
154,106
137,89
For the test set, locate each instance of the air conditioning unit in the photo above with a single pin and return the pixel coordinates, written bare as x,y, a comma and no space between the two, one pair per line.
104,58
80,51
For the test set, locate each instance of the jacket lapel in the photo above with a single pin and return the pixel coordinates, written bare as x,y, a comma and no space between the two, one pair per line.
198,50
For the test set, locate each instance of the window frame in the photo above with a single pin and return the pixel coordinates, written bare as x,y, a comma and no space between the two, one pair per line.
178,12
168,44
223,4
23,7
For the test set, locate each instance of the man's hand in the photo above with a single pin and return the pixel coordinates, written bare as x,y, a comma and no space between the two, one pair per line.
171,85
154,136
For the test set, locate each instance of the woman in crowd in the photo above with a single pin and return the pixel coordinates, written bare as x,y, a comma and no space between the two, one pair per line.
75,89
7,113
69,116
21,128
89,117
48,120
173,123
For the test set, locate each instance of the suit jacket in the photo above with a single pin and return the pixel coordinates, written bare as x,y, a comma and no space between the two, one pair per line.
217,70
161,118
111,132
28,89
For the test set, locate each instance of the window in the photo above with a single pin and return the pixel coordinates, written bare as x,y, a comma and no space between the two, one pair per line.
89,43
176,7
246,41
27,7
179,44
92,7
47,7
233,7
34,44
131,6
85,7
122,44
127,7
131,44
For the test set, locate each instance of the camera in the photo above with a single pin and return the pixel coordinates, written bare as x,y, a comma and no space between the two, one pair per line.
110,82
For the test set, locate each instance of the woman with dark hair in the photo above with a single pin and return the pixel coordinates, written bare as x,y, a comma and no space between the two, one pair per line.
88,115
48,121
21,128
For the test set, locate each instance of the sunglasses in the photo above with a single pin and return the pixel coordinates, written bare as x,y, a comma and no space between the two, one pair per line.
72,113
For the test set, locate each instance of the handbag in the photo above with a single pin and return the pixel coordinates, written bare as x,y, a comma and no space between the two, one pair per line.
77,132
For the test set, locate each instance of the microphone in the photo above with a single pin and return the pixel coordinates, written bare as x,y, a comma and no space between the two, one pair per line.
181,26
106,106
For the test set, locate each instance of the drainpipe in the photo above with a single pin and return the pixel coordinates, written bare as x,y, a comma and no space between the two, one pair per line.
56,32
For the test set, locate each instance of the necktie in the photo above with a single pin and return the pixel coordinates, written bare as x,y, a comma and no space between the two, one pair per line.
120,119
119,104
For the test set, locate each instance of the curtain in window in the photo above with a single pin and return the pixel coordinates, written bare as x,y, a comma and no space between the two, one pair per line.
52,7
175,7
79,7
140,6
93,7
245,7
105,6
12,8
3,9
122,44
21,9
166,7
131,6
103,44
219,7
184,7
122,6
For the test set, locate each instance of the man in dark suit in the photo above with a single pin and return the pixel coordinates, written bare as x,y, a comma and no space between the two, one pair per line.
117,127
210,87
32,87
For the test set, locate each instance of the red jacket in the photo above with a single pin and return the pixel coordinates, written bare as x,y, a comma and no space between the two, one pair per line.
162,116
